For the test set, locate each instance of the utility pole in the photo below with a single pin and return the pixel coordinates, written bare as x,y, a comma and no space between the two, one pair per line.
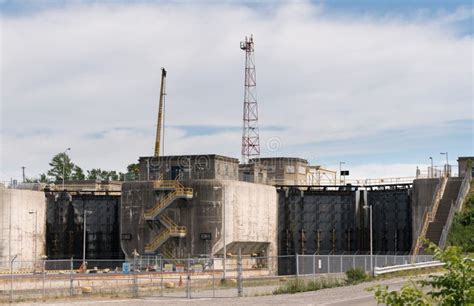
250,133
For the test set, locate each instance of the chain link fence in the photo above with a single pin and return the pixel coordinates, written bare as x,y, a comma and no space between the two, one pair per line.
315,264
161,277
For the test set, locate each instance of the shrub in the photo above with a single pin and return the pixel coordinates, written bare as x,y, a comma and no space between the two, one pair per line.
454,287
355,276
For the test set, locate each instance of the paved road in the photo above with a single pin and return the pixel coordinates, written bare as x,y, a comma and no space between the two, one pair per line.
350,295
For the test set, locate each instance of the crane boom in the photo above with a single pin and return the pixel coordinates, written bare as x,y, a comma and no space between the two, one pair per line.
160,112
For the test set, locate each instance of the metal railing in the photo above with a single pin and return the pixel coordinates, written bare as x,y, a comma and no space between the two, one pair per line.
463,192
166,200
167,184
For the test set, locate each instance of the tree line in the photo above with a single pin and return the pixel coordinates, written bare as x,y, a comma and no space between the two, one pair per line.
61,166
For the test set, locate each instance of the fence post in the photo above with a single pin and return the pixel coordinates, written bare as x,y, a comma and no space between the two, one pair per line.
135,287
239,274
71,285
188,280
365,263
314,267
44,279
353,261
341,263
213,278
329,265
297,266
161,274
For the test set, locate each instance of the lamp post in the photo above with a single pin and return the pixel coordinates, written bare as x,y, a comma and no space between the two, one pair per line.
35,237
340,170
12,260
223,229
369,207
86,212
447,163
432,170
64,164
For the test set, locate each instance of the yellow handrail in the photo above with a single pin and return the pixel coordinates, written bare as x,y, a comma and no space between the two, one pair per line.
167,184
167,221
157,240
166,252
166,200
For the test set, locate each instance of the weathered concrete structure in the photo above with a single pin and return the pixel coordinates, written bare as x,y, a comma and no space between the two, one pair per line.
249,211
284,170
21,232
463,165
188,167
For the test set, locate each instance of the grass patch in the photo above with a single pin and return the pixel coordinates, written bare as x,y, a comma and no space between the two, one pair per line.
413,272
299,285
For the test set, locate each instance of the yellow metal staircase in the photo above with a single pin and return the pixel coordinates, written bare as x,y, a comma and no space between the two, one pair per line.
167,253
175,191
178,191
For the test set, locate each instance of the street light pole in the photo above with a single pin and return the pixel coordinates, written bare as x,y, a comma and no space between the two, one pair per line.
64,164
223,230
84,238
447,163
371,238
35,237
432,170
340,171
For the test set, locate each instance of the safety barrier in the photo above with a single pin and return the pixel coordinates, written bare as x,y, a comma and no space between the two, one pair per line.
420,265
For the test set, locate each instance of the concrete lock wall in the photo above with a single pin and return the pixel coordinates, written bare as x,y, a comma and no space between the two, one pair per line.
17,227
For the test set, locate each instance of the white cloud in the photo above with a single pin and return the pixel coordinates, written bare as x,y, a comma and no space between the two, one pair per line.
90,68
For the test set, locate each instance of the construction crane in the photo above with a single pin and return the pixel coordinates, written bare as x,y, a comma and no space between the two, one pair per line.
160,112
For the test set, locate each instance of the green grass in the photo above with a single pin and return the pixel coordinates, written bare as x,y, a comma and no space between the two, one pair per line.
299,285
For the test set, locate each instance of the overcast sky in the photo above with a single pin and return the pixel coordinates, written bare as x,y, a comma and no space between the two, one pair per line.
380,86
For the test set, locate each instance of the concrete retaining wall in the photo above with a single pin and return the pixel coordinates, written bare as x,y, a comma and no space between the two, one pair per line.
422,197
17,226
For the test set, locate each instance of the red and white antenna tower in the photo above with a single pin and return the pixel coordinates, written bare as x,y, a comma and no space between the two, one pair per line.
250,134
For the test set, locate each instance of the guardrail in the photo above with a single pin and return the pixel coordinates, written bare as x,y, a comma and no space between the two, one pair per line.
420,265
